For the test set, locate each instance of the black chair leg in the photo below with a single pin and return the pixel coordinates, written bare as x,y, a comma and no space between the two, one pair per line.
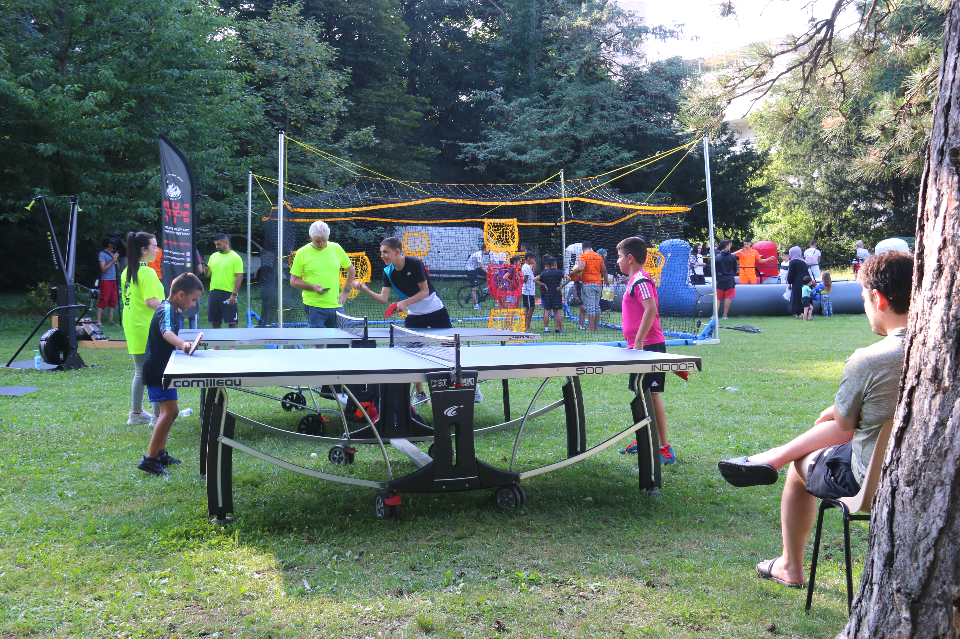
816,553
846,552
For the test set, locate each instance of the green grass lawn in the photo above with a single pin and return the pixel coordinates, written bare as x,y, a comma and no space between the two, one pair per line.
90,546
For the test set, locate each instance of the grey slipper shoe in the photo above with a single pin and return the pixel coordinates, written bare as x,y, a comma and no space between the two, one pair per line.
741,472
763,571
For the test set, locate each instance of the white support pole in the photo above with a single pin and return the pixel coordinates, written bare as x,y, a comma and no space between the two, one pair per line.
563,222
713,254
280,255
249,238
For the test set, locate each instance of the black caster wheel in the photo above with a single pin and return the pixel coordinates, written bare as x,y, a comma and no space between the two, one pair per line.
430,450
291,400
302,401
312,424
521,494
339,455
506,498
382,507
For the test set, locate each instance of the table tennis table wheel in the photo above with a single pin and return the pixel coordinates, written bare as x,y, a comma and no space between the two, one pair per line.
385,506
293,401
509,497
312,424
341,455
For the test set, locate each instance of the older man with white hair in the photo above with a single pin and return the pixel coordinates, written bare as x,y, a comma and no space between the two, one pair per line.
316,272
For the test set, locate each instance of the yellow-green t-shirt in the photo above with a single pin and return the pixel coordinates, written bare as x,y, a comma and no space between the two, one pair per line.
323,268
224,270
136,314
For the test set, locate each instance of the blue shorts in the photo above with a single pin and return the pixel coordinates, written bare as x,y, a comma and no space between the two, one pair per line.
161,394
322,317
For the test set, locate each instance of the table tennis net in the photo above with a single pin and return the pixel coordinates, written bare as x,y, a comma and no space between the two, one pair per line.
353,325
441,350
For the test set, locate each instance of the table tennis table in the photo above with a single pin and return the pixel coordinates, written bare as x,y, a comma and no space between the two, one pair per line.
351,331
451,374
227,337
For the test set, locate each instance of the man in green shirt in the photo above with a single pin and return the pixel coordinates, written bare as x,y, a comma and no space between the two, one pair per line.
316,272
225,270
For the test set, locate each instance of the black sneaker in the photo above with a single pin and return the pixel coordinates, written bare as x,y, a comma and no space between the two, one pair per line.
152,465
167,459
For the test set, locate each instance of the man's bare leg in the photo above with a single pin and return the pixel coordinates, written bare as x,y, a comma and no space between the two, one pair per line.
824,434
798,513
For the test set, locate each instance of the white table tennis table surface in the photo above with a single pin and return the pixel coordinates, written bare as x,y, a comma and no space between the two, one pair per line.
307,336
250,368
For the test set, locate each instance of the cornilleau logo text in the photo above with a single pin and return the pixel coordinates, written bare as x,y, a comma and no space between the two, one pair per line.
664,368
205,383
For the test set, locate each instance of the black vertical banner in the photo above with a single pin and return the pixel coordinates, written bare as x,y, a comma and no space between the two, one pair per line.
179,202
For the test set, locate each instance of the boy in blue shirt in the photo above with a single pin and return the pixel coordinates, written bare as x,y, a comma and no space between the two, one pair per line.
162,340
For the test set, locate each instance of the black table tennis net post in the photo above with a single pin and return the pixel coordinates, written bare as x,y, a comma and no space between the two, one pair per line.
429,347
354,325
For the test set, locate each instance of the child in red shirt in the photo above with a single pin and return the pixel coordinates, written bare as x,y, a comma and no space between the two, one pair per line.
641,329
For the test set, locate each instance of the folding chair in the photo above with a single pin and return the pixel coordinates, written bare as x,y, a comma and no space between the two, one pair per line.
850,506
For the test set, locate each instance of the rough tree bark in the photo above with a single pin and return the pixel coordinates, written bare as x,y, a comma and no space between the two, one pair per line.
911,578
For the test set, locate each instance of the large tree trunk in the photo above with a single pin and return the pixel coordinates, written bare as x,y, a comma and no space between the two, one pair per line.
911,579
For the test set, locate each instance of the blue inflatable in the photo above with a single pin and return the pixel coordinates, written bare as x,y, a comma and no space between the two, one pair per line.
677,296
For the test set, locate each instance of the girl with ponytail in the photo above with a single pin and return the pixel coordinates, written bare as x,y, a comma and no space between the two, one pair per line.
142,294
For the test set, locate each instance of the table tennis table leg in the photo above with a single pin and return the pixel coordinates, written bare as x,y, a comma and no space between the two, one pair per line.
219,457
207,399
576,419
506,400
648,442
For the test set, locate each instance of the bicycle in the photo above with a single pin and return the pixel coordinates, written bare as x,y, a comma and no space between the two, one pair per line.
465,295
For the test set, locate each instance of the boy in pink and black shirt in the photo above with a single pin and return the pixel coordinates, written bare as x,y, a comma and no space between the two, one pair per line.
641,329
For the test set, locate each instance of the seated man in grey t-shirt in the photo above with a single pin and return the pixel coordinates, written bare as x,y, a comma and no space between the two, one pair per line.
830,459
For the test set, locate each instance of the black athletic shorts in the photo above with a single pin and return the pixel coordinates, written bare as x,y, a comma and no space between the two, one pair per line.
806,302
219,310
437,319
529,301
551,301
830,475
653,382
477,277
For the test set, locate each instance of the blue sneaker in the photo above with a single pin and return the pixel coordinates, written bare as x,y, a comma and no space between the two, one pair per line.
667,456
630,450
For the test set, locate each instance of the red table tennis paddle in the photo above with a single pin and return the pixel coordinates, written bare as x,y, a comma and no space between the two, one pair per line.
390,310
684,375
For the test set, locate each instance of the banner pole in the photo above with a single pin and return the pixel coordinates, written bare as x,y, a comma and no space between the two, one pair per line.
713,255
280,256
249,239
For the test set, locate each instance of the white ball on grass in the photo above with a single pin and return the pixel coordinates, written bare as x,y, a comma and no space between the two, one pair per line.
313,454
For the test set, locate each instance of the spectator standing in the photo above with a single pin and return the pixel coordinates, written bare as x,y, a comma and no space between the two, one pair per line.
593,272
822,293
784,266
528,289
726,269
551,280
861,254
225,270
109,293
812,257
749,257
316,272
696,265
571,257
796,271
142,293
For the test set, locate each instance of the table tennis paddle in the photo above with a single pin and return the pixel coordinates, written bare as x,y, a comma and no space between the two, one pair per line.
196,342
390,310
684,375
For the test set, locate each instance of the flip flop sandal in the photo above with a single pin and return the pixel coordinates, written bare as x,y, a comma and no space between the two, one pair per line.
741,472
763,571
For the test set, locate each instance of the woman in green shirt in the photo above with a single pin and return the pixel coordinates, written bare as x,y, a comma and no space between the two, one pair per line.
142,293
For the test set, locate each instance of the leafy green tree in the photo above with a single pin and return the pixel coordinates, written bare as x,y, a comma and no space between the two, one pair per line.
85,88
294,73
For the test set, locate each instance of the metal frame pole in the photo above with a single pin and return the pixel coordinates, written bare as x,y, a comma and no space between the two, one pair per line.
563,221
280,255
249,238
713,255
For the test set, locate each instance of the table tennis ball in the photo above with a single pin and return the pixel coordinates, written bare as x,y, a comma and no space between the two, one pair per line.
313,454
